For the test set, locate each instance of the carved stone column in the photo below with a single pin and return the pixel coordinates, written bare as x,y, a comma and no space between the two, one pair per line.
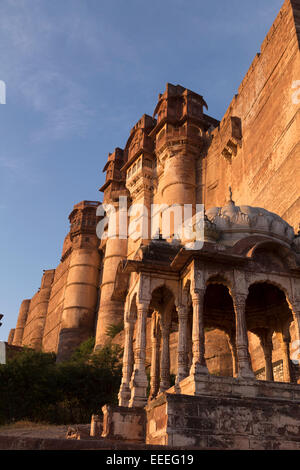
198,336
155,340
125,392
182,357
267,346
165,358
285,348
139,382
231,336
190,342
244,364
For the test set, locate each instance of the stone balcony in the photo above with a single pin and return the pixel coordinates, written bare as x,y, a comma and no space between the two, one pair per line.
187,133
141,172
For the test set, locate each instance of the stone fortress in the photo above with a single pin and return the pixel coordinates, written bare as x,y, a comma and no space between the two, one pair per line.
224,320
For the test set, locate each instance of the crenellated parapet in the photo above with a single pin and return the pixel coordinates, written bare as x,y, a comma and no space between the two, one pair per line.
180,118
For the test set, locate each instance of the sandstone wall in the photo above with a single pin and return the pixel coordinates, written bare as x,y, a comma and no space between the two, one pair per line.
36,318
21,323
55,307
80,296
265,170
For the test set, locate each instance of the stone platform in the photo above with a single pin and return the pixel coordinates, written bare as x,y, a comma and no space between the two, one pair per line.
226,413
223,423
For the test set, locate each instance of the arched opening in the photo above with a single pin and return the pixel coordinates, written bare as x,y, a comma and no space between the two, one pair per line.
270,333
162,328
219,323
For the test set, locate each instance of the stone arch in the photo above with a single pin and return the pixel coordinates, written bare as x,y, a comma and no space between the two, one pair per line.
162,299
186,293
186,283
158,283
219,278
132,310
163,359
269,316
219,322
279,250
286,289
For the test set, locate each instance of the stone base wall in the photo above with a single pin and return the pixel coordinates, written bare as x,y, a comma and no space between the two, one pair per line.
124,423
223,422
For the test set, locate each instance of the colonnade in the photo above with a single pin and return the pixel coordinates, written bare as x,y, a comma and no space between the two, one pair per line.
133,390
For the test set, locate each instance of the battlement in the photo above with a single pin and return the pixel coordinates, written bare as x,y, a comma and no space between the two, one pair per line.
83,204
177,104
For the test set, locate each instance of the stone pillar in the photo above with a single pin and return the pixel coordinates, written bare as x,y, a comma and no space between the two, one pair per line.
267,346
244,363
198,336
155,342
182,359
165,358
285,348
23,313
232,345
125,392
139,382
190,342
95,426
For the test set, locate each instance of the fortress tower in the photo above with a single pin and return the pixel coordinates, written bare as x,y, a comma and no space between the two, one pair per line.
113,248
82,281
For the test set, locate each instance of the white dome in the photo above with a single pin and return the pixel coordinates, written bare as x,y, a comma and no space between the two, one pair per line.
235,220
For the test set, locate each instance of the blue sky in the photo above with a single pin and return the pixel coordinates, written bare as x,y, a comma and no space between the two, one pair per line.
79,74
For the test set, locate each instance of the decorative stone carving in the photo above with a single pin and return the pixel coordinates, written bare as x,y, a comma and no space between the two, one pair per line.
139,382
198,338
241,219
244,363
125,392
165,357
182,367
155,365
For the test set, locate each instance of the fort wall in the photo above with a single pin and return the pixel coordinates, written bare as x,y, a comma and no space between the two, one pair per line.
263,165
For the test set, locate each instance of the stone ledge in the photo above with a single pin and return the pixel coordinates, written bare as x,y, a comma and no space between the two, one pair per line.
120,422
224,422
209,385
